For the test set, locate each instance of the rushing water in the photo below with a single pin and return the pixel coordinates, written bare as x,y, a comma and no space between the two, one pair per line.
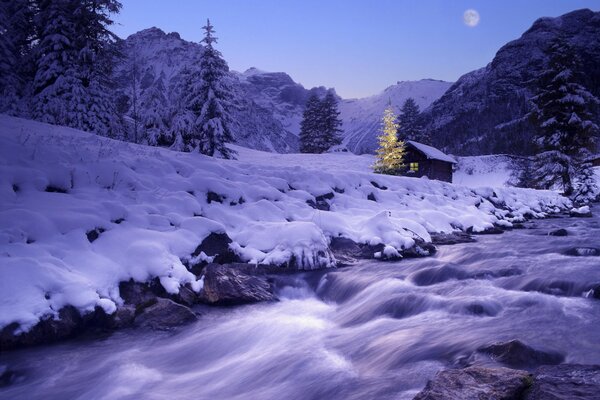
376,330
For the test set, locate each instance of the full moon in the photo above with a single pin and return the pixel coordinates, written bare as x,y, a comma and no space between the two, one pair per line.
471,18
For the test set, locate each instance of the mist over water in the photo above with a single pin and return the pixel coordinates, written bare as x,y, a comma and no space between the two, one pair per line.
375,330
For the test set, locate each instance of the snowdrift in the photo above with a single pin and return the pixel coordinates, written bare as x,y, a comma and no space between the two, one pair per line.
80,213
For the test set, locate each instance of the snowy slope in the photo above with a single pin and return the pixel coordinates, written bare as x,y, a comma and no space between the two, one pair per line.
150,207
477,171
362,117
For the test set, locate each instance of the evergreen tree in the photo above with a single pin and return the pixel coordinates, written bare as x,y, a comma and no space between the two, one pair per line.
310,127
207,98
330,122
562,114
586,187
409,124
55,83
16,35
390,154
153,118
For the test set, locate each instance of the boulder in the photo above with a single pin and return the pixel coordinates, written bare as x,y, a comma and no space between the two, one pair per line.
582,252
217,245
346,251
558,232
581,212
516,354
124,316
234,284
476,383
164,314
489,231
565,382
451,238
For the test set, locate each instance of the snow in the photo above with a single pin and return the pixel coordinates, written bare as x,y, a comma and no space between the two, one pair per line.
151,210
477,171
432,152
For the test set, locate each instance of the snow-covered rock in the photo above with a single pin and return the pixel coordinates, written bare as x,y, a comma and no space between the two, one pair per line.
82,213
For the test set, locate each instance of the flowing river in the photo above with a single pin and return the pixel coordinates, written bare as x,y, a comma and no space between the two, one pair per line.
374,330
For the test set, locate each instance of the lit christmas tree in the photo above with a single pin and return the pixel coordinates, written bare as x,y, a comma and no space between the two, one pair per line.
390,154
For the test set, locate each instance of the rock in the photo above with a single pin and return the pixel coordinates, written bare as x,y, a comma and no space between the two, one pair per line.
451,238
320,202
164,314
346,251
420,249
582,252
581,212
233,284
476,383
48,330
94,234
516,354
185,296
217,245
123,317
135,292
559,232
565,382
489,231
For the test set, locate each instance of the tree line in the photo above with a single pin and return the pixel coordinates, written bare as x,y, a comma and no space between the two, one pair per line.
56,63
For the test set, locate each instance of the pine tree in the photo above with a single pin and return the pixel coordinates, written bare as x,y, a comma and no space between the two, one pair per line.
390,154
207,98
330,122
55,83
562,114
74,58
586,187
16,36
409,124
310,127
152,116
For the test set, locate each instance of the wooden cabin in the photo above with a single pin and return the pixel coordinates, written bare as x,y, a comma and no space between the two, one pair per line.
423,160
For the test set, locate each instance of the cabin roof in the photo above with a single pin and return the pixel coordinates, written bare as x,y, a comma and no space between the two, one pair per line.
431,152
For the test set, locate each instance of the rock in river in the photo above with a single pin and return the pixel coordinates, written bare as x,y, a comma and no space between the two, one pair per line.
516,354
234,284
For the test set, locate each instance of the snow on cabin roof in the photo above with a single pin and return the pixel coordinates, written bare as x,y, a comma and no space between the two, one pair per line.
431,152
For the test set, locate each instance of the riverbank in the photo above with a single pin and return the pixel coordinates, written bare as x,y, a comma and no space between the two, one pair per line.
374,330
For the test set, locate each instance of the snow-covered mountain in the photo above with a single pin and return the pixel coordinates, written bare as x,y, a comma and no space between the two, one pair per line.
484,111
362,117
268,105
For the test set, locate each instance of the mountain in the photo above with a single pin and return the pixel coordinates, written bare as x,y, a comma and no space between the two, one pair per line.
484,112
362,117
268,106
154,54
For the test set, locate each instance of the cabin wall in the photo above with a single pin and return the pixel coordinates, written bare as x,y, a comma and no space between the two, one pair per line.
433,169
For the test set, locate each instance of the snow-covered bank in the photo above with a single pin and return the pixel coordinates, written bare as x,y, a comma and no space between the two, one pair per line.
151,207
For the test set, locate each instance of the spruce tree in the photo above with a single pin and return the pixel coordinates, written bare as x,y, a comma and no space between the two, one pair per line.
565,127
153,118
17,33
586,187
330,123
409,124
207,98
390,154
310,127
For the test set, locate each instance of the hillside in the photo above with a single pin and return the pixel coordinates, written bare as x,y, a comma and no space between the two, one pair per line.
82,213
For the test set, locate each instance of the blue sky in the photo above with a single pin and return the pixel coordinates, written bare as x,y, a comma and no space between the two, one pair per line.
358,47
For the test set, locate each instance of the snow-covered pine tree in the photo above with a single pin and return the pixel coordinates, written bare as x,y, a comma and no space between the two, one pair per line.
55,83
153,117
16,35
409,124
390,154
310,127
565,126
208,99
586,187
330,122
95,45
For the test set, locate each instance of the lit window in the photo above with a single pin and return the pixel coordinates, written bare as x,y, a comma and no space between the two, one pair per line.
414,166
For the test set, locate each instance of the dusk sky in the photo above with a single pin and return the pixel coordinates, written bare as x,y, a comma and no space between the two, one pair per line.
358,47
